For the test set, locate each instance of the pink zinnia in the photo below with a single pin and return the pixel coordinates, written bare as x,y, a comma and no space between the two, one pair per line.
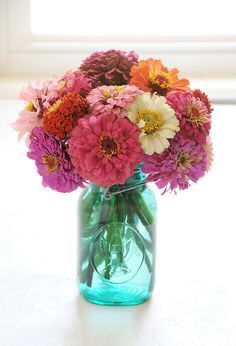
25,123
184,161
38,98
115,99
75,82
195,121
105,149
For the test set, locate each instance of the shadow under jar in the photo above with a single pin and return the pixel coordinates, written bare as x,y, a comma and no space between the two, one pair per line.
116,262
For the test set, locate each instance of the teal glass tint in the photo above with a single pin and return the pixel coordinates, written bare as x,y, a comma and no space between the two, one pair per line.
117,243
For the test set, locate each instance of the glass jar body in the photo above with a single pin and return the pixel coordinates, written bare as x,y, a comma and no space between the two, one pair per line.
116,261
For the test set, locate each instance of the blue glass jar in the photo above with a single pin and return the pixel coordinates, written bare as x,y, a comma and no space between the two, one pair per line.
117,242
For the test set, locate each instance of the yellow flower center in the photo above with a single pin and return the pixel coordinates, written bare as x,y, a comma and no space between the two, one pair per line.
161,79
184,161
109,146
106,93
118,88
51,162
30,107
55,106
152,118
63,84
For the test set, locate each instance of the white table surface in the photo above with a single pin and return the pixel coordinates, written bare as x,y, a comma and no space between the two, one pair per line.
194,300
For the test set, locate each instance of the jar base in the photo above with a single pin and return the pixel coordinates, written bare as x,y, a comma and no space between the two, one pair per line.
114,296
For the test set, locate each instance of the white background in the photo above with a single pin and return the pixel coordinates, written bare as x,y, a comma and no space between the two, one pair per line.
194,300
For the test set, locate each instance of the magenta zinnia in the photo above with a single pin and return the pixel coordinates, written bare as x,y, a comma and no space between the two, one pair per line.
111,67
105,149
195,121
111,98
53,162
184,161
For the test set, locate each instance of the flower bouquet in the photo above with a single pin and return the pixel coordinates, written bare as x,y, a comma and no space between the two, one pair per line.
110,127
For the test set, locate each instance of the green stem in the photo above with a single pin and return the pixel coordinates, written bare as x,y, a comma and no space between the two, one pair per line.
144,213
139,241
87,206
121,217
108,216
100,221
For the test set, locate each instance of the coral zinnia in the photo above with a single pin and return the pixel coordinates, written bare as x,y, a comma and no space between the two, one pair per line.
105,149
151,75
156,120
62,116
113,99
184,161
194,118
53,162
111,67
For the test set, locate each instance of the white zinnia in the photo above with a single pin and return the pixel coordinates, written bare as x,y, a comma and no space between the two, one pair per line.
156,119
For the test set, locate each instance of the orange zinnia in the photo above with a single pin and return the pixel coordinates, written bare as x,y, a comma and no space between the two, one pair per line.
151,75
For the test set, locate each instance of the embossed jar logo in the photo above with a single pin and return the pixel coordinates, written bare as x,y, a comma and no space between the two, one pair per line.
117,252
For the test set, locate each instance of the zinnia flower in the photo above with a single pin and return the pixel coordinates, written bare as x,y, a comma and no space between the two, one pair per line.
204,98
75,82
151,75
105,149
53,162
62,116
111,67
184,161
38,98
194,118
26,122
156,120
113,99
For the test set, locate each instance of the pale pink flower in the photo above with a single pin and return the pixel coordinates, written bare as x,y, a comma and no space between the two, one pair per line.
115,99
75,82
25,123
38,98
